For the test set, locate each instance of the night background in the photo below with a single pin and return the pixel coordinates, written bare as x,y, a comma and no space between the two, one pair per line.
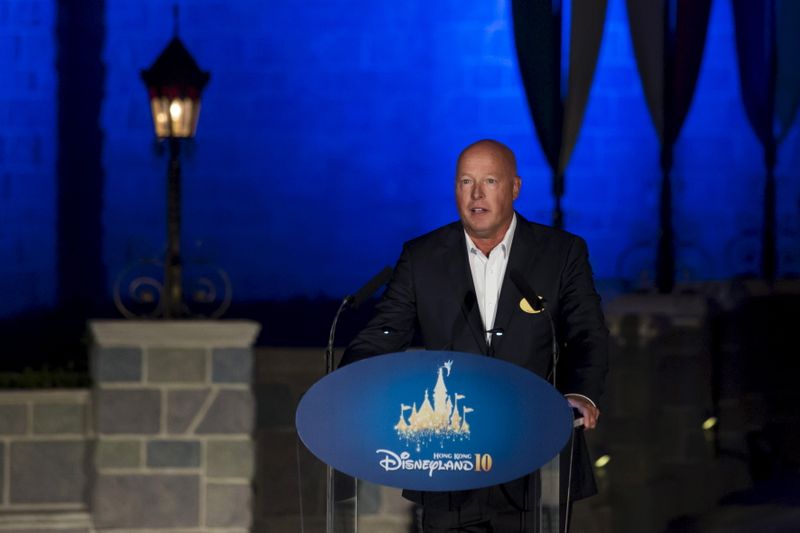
328,136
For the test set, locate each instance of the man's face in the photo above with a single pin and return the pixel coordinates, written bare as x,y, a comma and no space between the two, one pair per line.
486,187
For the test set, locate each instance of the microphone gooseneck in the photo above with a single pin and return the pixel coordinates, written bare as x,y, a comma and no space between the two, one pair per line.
467,303
352,301
381,278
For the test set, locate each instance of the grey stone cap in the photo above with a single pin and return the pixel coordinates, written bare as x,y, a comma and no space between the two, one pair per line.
44,396
39,521
175,333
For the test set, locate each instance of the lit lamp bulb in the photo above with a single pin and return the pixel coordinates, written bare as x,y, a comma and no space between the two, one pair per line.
175,110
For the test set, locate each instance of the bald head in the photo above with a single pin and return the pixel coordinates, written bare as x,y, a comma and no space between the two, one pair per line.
486,187
496,148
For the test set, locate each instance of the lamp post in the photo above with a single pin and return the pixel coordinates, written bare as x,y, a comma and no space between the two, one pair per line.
174,82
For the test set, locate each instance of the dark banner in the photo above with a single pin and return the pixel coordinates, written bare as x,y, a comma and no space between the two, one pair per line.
557,106
768,50
668,41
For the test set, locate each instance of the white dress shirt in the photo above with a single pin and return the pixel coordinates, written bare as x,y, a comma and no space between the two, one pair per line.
488,273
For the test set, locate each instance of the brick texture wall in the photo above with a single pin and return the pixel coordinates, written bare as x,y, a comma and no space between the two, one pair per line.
27,155
328,136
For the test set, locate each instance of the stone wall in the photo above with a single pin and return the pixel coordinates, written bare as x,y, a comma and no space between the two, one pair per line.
174,421
664,465
45,439
163,441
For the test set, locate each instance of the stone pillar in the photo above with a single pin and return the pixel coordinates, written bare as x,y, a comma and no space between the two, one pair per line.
174,418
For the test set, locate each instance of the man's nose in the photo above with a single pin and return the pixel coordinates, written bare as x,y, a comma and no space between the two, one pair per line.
477,191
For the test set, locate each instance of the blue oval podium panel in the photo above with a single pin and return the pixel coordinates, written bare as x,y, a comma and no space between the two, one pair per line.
434,421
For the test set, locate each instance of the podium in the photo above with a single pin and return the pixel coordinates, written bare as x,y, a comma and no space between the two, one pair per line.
435,421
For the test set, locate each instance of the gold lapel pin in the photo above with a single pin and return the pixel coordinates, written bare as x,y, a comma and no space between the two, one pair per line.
527,308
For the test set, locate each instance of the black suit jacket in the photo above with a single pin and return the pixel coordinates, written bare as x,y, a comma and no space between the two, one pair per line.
432,289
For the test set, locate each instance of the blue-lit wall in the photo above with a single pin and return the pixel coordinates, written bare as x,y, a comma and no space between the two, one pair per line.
27,156
328,137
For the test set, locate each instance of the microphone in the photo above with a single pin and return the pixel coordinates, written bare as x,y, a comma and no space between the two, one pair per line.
467,304
381,278
537,304
354,300
494,332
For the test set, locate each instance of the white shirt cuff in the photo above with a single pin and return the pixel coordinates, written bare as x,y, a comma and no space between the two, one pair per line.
582,396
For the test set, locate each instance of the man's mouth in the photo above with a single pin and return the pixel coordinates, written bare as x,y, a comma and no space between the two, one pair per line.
479,210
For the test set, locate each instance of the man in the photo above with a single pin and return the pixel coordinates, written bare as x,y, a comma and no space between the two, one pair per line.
455,285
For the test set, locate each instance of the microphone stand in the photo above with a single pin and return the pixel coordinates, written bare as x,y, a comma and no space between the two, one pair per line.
329,503
352,300
540,304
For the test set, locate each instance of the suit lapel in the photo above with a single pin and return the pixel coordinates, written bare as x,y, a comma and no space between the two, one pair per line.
525,252
464,288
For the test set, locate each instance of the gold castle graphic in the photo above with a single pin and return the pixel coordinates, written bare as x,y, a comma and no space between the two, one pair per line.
442,420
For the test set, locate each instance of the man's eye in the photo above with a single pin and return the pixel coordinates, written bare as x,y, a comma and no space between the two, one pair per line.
466,181
491,181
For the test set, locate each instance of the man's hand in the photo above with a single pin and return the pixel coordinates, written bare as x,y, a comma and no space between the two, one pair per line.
589,412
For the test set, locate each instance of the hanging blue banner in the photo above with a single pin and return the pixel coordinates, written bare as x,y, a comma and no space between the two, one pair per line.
434,421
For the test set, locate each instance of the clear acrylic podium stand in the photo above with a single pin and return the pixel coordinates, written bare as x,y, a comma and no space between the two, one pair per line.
341,513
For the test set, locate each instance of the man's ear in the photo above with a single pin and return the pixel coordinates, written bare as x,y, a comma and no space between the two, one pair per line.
517,186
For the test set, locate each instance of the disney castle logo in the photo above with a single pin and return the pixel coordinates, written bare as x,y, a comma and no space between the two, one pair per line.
441,421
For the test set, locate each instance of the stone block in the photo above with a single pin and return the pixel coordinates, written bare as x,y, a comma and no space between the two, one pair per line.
55,529
59,418
179,365
118,454
276,406
228,505
182,408
117,364
135,411
146,501
369,498
232,365
230,412
394,503
48,472
229,458
173,453
13,419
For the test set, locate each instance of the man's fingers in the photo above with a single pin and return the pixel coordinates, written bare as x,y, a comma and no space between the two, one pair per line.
589,413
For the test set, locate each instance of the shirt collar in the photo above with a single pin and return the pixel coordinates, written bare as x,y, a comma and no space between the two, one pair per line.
505,244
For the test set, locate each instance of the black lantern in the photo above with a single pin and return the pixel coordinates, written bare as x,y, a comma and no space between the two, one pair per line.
174,83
